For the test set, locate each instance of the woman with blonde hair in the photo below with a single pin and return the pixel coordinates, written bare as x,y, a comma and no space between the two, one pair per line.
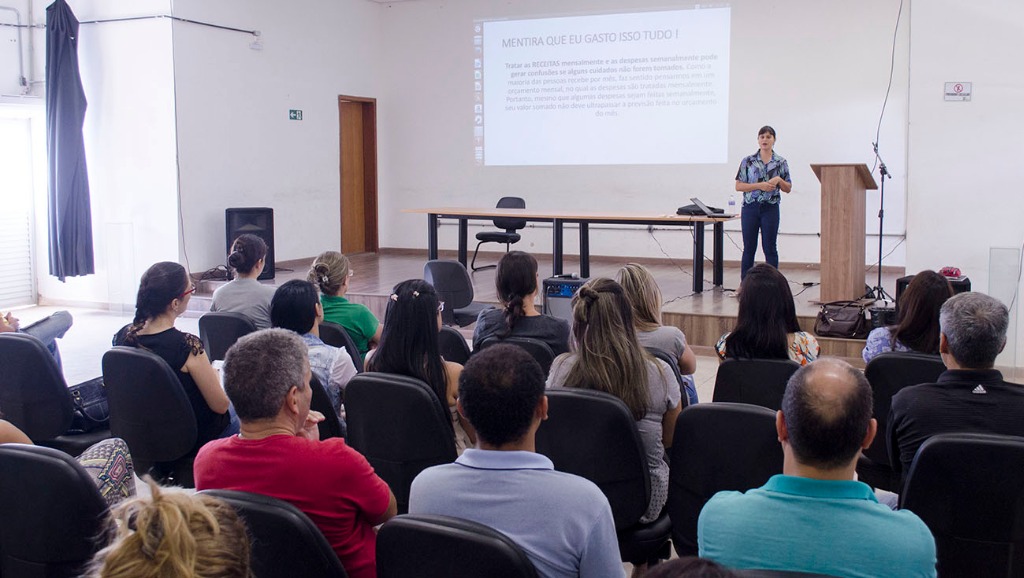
172,534
330,272
606,356
645,300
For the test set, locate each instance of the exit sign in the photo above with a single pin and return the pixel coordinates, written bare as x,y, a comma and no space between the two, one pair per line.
294,114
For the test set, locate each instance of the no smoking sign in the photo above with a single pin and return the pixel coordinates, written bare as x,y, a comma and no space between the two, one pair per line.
957,91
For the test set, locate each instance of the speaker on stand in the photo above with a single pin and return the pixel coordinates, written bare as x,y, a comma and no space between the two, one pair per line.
257,221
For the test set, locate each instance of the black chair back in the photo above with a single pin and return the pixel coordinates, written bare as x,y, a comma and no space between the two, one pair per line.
888,374
508,224
716,447
219,330
537,349
400,426
150,411
321,402
593,434
453,285
674,364
453,345
285,542
445,547
51,514
969,490
335,335
755,381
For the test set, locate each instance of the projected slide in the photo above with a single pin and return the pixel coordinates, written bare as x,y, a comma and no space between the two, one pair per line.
640,88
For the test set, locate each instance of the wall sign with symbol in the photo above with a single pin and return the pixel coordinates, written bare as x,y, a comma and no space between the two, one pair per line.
294,114
957,92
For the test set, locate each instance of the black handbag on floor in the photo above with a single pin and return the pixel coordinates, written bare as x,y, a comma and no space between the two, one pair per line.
844,319
91,411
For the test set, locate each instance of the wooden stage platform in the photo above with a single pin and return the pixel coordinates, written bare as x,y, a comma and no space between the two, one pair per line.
703,317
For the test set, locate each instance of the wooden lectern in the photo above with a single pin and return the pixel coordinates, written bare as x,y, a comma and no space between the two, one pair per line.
842,229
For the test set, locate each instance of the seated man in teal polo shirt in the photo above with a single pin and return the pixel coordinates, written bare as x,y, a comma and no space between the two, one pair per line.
815,517
562,522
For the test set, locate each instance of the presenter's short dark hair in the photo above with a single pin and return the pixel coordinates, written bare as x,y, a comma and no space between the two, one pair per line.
499,389
766,129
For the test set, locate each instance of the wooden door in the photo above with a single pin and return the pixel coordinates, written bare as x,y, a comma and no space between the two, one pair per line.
358,166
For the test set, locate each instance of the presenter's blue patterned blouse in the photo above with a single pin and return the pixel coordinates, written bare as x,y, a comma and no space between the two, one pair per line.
753,170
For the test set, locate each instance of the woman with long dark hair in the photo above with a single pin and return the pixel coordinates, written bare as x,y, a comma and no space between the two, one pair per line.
766,327
606,356
917,324
164,293
245,294
409,346
516,282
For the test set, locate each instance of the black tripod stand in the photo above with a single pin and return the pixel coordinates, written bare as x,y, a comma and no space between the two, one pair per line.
878,292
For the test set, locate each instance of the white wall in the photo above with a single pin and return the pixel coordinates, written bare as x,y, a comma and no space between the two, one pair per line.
236,145
963,196
816,71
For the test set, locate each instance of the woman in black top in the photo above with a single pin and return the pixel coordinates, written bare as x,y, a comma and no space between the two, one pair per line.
164,293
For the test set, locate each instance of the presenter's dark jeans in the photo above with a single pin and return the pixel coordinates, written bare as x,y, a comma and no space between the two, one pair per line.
763,217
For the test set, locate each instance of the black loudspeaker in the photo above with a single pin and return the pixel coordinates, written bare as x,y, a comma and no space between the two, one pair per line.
960,285
258,221
558,293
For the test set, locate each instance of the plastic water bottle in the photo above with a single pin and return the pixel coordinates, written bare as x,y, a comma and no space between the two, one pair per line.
732,205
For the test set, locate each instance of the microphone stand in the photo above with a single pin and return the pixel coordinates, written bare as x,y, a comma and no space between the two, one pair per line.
878,292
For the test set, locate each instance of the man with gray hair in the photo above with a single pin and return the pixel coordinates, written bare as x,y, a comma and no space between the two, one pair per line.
815,517
970,396
278,452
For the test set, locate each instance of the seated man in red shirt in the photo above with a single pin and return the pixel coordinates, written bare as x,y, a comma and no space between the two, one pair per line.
279,453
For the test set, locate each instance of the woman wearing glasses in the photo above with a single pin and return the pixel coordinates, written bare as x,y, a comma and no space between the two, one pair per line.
164,293
330,272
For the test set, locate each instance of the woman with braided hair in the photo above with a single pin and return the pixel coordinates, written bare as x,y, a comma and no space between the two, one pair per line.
164,293
516,282
330,272
606,356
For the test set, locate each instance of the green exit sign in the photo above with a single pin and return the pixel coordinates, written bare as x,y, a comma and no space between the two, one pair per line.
294,114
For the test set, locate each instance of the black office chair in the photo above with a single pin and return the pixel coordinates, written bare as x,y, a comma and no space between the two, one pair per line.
593,434
335,335
453,345
285,542
969,490
34,396
453,285
51,513
445,547
716,447
508,236
331,427
888,374
674,364
150,411
219,330
755,381
537,349
400,426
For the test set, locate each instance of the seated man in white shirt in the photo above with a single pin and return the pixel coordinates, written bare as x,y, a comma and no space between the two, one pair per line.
562,522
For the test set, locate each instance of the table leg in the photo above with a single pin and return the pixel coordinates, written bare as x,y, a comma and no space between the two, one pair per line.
431,236
463,233
584,250
556,243
698,256
719,251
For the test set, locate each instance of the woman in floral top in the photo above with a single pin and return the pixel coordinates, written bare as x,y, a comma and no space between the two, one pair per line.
917,325
766,327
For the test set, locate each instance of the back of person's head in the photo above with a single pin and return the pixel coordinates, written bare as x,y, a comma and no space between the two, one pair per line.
689,567
294,306
767,315
610,358
644,295
160,285
246,252
917,325
261,368
499,390
408,342
515,278
827,409
975,328
329,272
172,534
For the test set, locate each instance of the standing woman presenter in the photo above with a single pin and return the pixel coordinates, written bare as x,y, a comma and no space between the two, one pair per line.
760,178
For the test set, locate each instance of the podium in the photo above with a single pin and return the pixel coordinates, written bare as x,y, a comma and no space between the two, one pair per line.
843,189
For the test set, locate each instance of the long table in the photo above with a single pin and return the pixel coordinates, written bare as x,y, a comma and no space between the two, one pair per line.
583,218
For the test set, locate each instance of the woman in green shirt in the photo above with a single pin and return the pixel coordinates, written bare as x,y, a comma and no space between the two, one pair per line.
330,272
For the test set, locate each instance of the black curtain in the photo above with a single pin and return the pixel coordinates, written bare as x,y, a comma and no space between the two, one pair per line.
71,252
